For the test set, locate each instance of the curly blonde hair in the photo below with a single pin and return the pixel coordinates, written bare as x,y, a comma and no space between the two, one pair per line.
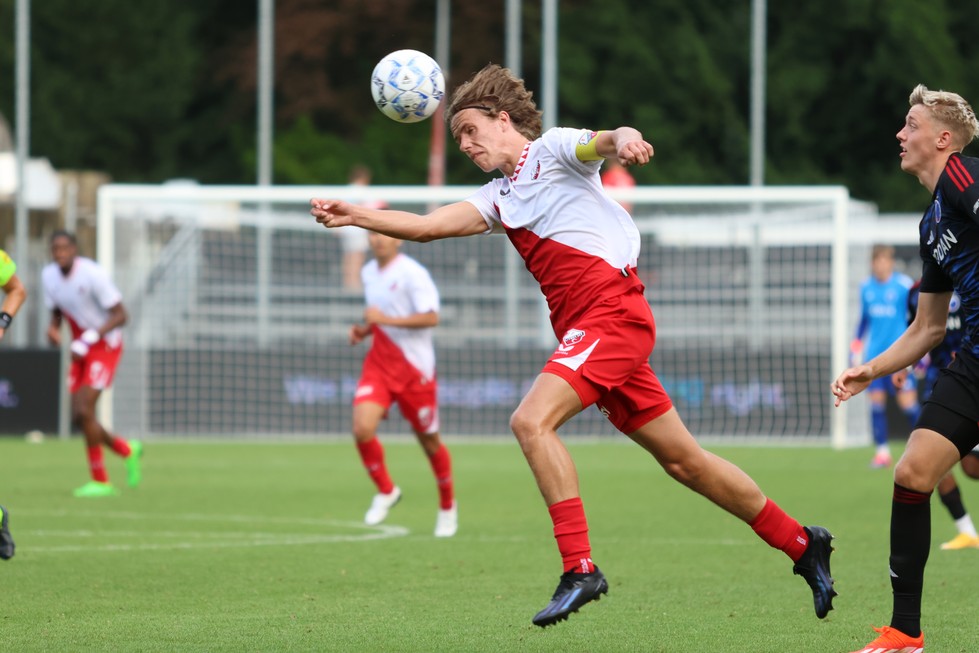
492,90
951,110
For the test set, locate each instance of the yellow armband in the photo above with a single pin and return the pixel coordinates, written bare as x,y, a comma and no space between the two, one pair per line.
587,147
7,268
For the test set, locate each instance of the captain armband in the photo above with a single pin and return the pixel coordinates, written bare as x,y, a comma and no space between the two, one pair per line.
587,147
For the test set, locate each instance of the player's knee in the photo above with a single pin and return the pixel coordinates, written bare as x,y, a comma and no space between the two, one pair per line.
970,465
914,475
82,414
524,424
689,471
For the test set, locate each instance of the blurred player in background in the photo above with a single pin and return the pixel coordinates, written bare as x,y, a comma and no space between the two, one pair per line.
14,292
883,318
79,290
927,370
938,126
582,248
401,315
354,239
14,295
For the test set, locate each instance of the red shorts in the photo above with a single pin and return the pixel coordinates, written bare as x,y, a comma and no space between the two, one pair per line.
417,396
605,358
96,369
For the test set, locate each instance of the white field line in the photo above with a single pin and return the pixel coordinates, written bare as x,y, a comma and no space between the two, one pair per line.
157,539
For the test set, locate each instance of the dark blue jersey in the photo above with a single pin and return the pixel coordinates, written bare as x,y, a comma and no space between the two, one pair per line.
950,243
941,355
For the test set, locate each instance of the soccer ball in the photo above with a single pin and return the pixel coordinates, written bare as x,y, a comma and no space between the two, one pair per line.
407,85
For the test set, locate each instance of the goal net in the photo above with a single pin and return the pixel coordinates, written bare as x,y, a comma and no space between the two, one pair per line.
239,317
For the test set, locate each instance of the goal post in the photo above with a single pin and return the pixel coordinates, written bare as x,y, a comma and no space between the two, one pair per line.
239,319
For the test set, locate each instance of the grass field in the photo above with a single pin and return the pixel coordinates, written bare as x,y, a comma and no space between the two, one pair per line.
259,547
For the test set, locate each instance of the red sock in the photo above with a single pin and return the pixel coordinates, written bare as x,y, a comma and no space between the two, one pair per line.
780,531
96,465
120,446
571,533
442,466
372,455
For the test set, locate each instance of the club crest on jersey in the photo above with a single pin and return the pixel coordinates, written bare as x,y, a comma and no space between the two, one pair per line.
570,339
536,171
938,209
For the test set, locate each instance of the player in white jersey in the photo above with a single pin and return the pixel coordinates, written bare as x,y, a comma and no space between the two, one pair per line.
14,295
582,247
401,314
77,289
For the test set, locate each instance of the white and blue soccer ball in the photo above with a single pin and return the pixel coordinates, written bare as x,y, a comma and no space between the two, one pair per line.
407,85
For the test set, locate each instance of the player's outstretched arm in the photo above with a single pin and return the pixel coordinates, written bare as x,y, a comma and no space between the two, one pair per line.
922,335
625,144
457,219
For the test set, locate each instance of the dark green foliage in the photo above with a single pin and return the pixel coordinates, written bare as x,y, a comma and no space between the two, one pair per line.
151,91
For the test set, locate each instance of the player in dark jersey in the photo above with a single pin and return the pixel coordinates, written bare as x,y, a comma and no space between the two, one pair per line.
927,369
938,126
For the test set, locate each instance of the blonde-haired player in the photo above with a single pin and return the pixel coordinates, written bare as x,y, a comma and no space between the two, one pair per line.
937,127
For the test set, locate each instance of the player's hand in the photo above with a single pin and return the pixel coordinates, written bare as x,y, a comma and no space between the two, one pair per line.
634,153
81,345
853,381
331,213
374,315
54,336
357,333
899,378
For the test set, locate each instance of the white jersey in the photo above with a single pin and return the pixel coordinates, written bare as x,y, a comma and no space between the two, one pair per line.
577,242
84,297
401,288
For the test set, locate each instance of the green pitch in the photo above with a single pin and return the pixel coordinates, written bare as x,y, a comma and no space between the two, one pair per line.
259,547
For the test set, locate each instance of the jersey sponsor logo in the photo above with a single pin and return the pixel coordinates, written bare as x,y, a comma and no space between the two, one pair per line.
944,245
587,137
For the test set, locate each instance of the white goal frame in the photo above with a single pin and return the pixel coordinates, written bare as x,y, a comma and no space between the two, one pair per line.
840,237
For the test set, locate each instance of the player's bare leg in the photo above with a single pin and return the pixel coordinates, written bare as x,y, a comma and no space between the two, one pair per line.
367,416
550,403
728,486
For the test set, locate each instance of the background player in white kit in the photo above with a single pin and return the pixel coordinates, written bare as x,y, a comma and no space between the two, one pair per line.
402,312
79,290
582,247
